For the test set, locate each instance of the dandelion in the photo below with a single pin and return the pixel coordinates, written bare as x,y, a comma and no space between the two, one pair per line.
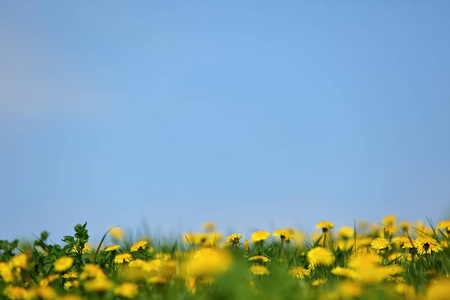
259,236
389,220
116,232
16,292
209,226
438,290
346,232
246,247
345,272
325,226
300,272
122,258
86,248
140,245
126,290
63,263
45,292
405,225
234,239
320,256
426,245
259,259
259,270
112,248
380,244
444,225
98,285
284,234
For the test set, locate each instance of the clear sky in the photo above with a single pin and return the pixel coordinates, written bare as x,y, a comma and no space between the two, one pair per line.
255,114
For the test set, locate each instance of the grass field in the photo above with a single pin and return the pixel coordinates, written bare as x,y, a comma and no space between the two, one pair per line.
386,260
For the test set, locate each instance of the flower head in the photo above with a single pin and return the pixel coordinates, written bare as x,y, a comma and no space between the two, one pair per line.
112,248
63,263
426,245
325,226
300,272
259,236
259,270
121,258
126,290
320,256
234,238
259,258
380,244
140,245
284,234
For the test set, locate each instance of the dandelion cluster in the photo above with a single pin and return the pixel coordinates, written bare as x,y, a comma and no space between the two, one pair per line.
386,260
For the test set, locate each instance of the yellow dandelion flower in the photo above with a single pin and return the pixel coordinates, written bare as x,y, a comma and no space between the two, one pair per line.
72,283
318,282
91,271
426,245
259,236
206,262
45,292
324,225
48,279
98,284
346,232
140,245
246,246
70,275
259,258
349,289
121,258
401,240
117,233
86,248
19,261
438,289
112,248
405,225
126,290
345,272
234,238
380,244
209,226
320,256
284,234
300,272
259,270
389,220
63,263
445,225
16,292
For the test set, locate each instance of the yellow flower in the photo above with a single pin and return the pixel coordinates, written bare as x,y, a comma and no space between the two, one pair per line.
246,246
438,290
209,226
325,225
121,258
320,256
86,248
405,225
117,233
140,245
300,272
350,289
91,271
389,220
126,289
401,240
206,262
16,292
259,258
259,236
19,261
234,238
284,234
346,232
380,244
98,284
70,297
112,248
444,225
259,270
345,272
48,279
45,292
63,263
426,245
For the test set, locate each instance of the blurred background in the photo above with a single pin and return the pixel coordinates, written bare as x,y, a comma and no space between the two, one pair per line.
253,114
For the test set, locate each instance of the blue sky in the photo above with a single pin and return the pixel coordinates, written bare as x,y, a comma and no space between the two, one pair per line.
255,114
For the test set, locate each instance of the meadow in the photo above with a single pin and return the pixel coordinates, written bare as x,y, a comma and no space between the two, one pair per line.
385,260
